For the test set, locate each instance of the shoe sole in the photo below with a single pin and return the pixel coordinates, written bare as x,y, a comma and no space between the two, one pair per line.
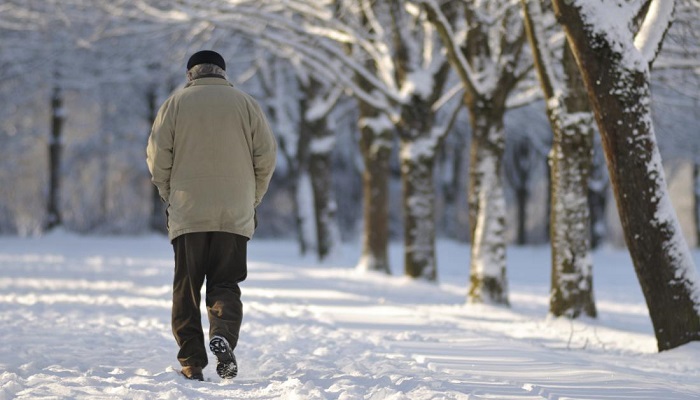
226,366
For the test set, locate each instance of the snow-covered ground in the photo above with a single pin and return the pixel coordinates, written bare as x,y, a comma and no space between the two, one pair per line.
88,318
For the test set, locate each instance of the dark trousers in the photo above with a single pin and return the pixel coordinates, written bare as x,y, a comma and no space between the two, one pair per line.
220,257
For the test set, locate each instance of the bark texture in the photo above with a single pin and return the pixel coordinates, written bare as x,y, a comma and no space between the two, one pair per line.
376,149
488,280
417,157
418,144
571,158
321,181
319,167
618,89
570,163
485,97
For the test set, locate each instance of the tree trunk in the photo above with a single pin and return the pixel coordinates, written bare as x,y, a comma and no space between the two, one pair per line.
487,209
376,149
304,209
571,159
419,213
327,233
598,198
518,163
321,142
572,278
521,196
417,157
158,220
53,218
618,88
696,191
298,157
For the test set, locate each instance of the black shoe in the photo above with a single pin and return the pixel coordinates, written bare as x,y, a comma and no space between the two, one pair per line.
226,365
192,373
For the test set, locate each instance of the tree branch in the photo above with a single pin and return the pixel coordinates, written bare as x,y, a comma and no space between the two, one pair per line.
653,29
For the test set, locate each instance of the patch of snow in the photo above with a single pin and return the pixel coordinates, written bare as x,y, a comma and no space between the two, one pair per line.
323,332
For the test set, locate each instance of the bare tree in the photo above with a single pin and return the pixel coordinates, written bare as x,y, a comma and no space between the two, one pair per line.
570,161
406,84
614,58
487,55
316,103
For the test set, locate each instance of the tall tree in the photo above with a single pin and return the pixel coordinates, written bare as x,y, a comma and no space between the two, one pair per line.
570,164
487,56
316,103
53,215
614,57
376,133
376,143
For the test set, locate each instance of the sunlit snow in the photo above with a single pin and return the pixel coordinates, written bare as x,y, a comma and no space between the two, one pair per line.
86,318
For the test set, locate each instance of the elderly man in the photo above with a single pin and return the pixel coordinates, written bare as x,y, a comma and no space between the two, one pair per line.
211,155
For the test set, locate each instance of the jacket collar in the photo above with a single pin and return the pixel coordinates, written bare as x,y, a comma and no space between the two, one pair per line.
209,80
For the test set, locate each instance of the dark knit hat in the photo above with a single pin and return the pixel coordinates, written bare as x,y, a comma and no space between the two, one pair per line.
206,57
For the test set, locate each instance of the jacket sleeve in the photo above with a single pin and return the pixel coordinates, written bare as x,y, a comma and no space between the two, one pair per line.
159,153
264,152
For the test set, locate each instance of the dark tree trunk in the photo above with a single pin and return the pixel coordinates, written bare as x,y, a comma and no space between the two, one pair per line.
548,221
419,215
619,93
321,181
696,202
376,149
299,173
319,166
376,134
598,198
158,220
53,218
521,196
452,187
518,166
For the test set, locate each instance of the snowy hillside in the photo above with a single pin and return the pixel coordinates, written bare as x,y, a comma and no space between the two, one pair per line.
88,318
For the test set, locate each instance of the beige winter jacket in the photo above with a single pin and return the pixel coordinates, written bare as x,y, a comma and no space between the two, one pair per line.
211,154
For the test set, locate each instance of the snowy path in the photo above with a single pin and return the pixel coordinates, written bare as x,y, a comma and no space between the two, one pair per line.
89,318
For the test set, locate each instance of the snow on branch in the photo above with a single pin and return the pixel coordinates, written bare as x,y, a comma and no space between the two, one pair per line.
534,22
323,106
438,18
651,34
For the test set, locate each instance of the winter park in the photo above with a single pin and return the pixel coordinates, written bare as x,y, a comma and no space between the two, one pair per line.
350,199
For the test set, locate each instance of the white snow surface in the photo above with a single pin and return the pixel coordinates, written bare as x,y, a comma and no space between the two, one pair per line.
89,318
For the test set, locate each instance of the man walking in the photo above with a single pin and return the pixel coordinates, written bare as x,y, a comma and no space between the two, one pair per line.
211,155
